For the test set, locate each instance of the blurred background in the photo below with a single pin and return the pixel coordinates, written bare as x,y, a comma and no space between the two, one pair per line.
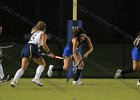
112,26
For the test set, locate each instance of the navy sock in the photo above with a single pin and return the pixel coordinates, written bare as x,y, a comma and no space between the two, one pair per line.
58,68
77,74
128,70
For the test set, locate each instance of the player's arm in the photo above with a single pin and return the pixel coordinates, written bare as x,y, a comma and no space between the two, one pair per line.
44,45
75,44
90,46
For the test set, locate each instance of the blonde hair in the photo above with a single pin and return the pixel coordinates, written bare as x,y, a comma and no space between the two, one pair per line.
39,26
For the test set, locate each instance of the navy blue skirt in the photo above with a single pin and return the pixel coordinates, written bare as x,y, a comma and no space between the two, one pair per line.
30,50
67,51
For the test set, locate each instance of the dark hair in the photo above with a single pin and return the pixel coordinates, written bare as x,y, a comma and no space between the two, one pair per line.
77,32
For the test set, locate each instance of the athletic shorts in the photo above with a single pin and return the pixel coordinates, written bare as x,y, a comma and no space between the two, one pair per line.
29,51
67,51
135,54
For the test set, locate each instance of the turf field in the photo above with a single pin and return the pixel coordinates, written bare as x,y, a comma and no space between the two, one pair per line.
58,89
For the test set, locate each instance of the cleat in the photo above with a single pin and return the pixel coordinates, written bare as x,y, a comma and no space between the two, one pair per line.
77,83
5,79
50,72
138,83
13,84
118,74
37,82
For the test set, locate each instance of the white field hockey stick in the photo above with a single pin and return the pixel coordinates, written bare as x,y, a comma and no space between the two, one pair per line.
57,57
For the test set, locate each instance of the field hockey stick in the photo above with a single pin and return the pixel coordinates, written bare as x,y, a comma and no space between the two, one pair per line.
57,57
9,46
74,71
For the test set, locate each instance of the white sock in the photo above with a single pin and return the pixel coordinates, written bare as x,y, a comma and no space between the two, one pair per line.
39,71
1,72
18,74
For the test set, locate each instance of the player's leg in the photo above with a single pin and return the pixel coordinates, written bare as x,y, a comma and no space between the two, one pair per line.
3,77
67,61
135,67
1,68
20,72
79,70
138,82
26,55
120,72
1,72
40,61
67,54
136,59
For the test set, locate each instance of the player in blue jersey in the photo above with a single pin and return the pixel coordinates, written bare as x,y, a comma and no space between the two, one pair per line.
71,53
136,60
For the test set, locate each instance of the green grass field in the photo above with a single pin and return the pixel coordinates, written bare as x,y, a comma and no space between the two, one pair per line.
59,89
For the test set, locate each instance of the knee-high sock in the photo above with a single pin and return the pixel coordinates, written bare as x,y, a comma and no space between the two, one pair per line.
128,70
77,74
1,72
39,71
58,68
18,74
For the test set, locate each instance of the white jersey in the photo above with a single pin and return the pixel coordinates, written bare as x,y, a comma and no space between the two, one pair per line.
35,38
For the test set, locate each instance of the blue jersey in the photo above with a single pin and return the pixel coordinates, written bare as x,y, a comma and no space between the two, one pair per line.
30,50
68,48
135,54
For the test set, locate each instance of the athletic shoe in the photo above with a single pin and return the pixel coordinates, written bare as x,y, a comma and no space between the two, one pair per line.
13,84
37,82
138,83
5,79
77,83
50,72
118,74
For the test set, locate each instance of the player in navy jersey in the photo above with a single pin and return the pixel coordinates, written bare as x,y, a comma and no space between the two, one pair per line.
136,60
71,53
31,51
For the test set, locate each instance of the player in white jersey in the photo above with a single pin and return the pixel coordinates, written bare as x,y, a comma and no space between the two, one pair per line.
31,52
